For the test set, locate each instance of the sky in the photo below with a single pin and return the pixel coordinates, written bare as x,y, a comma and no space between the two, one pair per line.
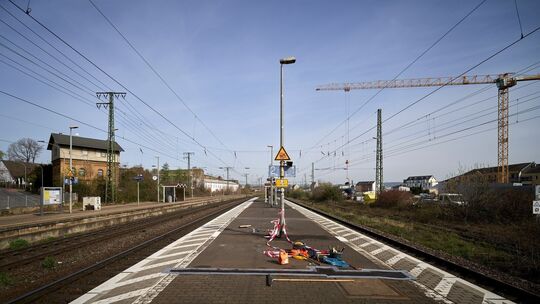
221,58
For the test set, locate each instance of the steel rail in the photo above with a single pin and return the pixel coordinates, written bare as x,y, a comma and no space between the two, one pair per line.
32,295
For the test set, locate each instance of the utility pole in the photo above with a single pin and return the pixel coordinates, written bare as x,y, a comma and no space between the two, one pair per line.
70,169
245,175
379,163
227,169
157,186
312,173
187,155
110,185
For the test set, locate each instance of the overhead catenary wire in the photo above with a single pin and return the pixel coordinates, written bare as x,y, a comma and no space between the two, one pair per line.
20,99
408,66
119,83
61,88
139,116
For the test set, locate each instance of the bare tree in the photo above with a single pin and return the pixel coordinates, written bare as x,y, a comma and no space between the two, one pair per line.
25,149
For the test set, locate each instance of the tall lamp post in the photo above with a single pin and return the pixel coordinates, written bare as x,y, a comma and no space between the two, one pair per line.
283,61
71,168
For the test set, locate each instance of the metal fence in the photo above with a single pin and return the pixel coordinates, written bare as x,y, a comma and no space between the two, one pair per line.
18,201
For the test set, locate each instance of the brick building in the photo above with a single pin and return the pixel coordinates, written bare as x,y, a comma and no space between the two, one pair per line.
89,157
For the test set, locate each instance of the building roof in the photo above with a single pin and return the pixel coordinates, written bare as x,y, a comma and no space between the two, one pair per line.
419,177
511,168
81,142
532,169
16,168
368,183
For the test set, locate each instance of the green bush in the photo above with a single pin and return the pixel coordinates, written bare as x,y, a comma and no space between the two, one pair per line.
298,194
327,192
18,244
48,263
5,279
394,198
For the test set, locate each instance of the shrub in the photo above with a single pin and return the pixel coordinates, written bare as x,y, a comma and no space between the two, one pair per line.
48,263
5,279
327,192
18,244
394,198
298,194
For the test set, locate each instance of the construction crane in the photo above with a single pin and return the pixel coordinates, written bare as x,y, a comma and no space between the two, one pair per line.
503,82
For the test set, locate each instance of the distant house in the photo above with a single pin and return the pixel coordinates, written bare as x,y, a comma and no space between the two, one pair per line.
216,184
525,173
531,175
365,186
401,188
424,182
89,157
15,173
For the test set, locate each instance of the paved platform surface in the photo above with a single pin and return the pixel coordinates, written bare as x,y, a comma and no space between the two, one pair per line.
222,243
21,220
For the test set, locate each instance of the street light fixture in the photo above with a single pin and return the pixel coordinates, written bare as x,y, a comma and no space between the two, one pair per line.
287,60
71,168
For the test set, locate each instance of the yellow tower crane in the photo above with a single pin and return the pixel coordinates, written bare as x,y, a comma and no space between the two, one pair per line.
503,82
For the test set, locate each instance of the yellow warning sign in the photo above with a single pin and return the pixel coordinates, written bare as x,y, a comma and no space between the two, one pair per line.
282,183
282,154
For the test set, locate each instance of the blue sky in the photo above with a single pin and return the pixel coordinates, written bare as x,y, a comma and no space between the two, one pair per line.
222,58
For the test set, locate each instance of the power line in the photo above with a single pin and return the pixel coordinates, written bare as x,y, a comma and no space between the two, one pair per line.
81,122
408,66
118,82
157,74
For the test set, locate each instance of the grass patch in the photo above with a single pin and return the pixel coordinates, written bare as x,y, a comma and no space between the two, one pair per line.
503,247
5,279
18,244
48,263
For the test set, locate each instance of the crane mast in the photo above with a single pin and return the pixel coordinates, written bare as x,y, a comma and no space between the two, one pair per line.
503,82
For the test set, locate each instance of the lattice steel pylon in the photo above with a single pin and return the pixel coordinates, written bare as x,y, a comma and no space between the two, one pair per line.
379,166
110,185
503,82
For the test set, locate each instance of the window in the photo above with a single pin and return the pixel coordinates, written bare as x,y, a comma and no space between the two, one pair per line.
100,172
73,171
82,172
103,154
84,152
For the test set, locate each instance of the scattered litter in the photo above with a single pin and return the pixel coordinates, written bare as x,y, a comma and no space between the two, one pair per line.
244,226
302,252
283,257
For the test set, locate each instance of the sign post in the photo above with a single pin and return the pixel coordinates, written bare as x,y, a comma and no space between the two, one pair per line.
51,196
139,178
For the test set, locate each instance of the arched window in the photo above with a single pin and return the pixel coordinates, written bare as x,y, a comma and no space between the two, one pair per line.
100,172
82,171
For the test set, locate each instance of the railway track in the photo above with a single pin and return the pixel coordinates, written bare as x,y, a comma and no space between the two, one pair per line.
16,258
72,285
486,281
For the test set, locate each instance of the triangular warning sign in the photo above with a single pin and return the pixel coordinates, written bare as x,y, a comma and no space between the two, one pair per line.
282,154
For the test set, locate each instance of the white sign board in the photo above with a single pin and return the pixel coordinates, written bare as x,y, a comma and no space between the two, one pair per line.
154,177
536,207
52,196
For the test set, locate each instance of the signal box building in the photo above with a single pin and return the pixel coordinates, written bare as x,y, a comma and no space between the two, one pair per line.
89,158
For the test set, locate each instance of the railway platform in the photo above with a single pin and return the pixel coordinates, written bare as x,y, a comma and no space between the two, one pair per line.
235,241
35,227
